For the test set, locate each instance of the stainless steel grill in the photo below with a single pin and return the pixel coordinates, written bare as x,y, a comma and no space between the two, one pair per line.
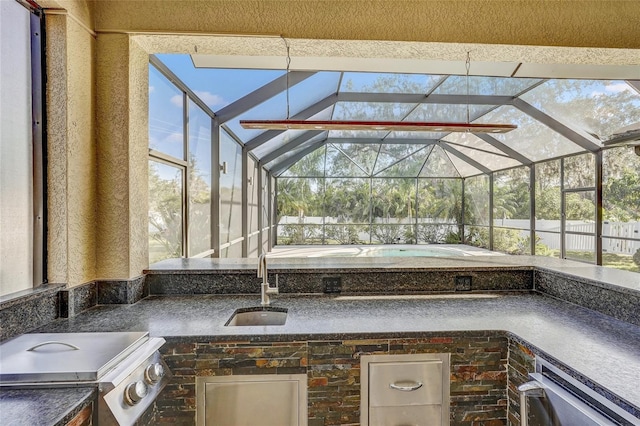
553,398
126,368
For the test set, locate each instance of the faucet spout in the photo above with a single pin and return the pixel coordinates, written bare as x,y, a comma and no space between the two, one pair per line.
265,288
262,267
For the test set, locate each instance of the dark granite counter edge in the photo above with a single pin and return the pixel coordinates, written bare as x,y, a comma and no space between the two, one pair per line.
589,281
73,411
617,302
29,311
245,269
46,406
21,297
304,337
275,269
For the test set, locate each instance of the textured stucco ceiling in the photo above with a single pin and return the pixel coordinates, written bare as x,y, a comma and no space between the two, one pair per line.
431,36
586,23
395,56
548,37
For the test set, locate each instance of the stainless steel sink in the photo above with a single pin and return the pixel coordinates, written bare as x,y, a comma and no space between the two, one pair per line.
258,316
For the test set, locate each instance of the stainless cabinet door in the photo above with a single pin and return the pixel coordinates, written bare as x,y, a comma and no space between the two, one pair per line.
405,389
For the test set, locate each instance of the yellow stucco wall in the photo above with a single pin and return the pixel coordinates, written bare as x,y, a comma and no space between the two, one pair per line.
98,166
56,99
71,151
112,137
122,140
81,155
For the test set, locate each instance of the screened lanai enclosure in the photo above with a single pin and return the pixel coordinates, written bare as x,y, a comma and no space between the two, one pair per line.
564,183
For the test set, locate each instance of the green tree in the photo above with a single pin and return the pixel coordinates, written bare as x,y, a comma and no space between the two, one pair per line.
622,195
347,200
548,203
476,200
580,206
199,209
387,234
448,201
299,197
165,213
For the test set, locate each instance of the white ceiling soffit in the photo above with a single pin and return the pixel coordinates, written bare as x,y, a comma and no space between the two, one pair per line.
587,71
383,65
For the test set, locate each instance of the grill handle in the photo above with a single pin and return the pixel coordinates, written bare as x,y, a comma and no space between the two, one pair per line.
533,389
53,342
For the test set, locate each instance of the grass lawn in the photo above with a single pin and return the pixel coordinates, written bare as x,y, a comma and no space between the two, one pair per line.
612,260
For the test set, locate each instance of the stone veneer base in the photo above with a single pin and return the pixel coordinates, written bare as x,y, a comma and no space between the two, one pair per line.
486,370
478,373
521,363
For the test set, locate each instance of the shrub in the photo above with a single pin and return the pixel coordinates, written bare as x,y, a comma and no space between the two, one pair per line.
343,234
452,238
386,234
636,257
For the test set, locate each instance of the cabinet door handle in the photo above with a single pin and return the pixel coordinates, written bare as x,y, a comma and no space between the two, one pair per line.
406,386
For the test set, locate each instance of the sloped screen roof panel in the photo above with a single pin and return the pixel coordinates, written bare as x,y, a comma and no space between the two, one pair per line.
370,82
555,118
597,108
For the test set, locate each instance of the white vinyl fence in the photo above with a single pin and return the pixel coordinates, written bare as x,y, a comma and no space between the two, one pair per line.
548,232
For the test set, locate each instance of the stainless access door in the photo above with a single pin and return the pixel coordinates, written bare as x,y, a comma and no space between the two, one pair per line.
405,389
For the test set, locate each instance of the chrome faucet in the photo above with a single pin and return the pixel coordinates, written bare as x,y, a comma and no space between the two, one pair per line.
266,289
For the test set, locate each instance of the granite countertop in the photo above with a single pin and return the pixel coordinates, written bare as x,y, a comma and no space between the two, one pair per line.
598,347
619,280
20,407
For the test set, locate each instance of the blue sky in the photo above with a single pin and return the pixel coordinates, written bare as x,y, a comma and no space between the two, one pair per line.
217,87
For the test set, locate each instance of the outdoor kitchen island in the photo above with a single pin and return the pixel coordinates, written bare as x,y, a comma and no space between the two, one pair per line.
493,333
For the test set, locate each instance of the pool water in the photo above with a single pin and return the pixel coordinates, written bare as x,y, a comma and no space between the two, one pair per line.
413,252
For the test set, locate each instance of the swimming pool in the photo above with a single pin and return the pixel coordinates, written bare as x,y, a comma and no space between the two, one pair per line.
410,252
395,250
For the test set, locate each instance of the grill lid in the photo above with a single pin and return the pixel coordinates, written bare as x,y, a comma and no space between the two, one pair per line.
64,357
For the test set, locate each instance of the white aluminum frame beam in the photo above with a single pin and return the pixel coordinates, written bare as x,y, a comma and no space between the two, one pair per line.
465,158
555,125
262,94
279,168
292,144
505,148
